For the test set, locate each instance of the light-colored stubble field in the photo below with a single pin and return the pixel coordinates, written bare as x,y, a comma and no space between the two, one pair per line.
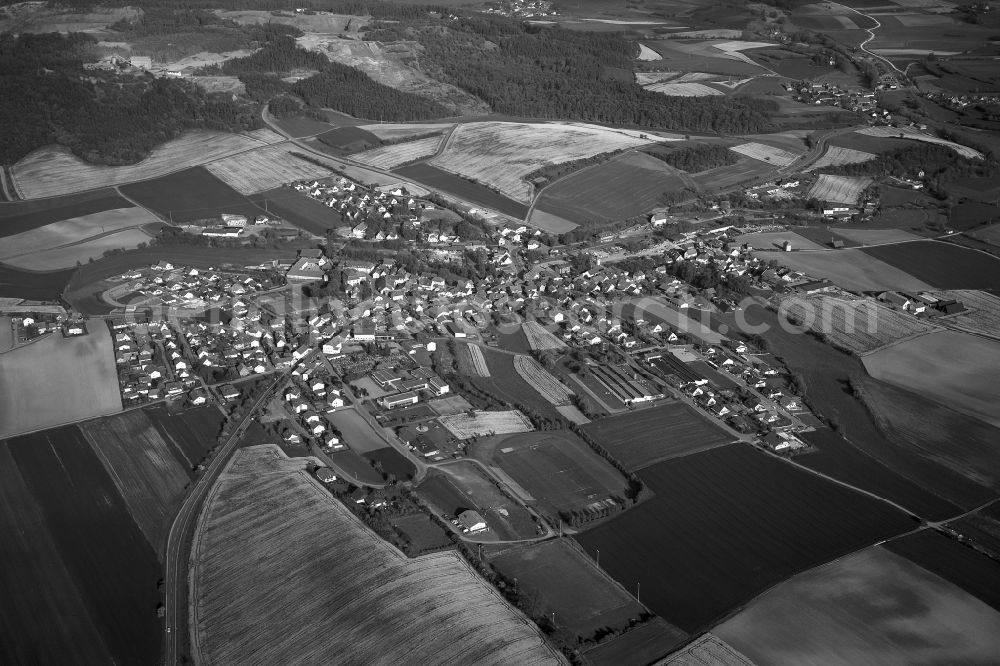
839,189
284,573
264,169
765,153
388,157
836,155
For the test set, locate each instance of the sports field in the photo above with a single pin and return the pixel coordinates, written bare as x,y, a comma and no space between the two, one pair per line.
264,169
851,269
870,607
58,380
627,185
643,437
956,369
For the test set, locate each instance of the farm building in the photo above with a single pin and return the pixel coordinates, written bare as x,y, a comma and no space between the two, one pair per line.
326,475
471,522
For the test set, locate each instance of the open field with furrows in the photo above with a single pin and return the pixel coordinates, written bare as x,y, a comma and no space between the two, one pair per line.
940,435
539,338
560,472
19,216
111,567
765,153
394,131
768,520
559,579
389,157
643,437
145,468
839,189
707,649
80,253
981,314
851,269
351,594
58,629
264,169
944,265
685,89
465,426
542,381
870,607
190,432
357,432
955,562
500,154
860,325
910,133
58,380
954,369
627,185
836,156
52,171
73,230
192,194
479,367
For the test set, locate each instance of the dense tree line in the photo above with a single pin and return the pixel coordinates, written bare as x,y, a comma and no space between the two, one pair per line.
278,55
101,116
696,158
376,8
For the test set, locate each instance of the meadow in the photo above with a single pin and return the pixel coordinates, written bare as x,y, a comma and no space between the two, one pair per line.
264,169
344,140
870,607
192,194
758,520
54,170
58,380
643,437
19,216
838,189
852,269
957,370
501,154
677,55
190,432
390,157
873,236
724,177
474,193
73,230
355,594
81,252
627,185
910,133
944,265
357,433
83,514
773,240
15,283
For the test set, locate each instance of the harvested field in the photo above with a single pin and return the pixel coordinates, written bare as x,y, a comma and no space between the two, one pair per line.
479,366
851,269
564,581
246,612
465,426
765,153
540,338
839,189
646,53
910,133
73,230
145,468
954,369
549,222
708,649
860,325
644,437
690,89
643,644
624,186
52,171
981,315
390,157
836,156
500,154
437,179
58,380
192,194
560,472
754,505
17,217
80,253
944,265
870,607
359,435
264,169
774,240
542,381
112,567
395,131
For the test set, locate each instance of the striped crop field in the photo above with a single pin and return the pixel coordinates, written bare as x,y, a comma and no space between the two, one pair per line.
388,157
284,573
691,89
835,156
839,189
466,426
765,153
264,169
478,361
542,381
540,338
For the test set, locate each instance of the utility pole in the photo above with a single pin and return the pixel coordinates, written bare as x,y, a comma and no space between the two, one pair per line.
637,585
598,558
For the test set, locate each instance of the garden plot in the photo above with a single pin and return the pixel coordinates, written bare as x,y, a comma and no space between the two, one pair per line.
910,133
54,170
836,156
542,381
765,153
479,423
839,189
396,131
499,155
264,169
683,89
479,366
389,157
540,338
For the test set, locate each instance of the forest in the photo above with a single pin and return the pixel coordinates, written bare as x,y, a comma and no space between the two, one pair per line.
696,158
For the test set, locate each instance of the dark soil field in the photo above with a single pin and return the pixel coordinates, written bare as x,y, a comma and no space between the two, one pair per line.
437,179
943,265
982,529
970,214
301,126
643,437
562,580
628,185
192,194
15,283
107,557
727,524
642,645
21,216
393,462
972,571
786,63
870,144
302,211
193,431
346,140
724,177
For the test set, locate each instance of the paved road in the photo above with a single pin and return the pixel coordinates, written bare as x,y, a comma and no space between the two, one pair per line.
176,557
871,36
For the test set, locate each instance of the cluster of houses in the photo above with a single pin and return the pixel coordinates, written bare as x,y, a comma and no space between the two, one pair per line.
187,288
959,101
151,363
309,401
854,99
357,204
921,303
